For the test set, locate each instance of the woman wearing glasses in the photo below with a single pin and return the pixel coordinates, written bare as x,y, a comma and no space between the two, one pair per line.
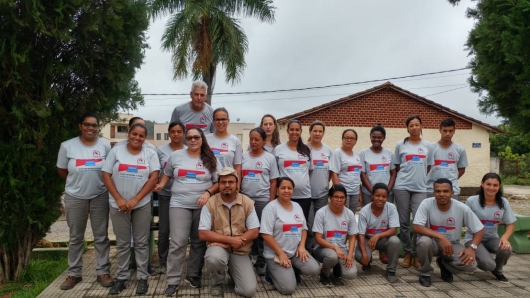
194,173
226,147
79,162
346,168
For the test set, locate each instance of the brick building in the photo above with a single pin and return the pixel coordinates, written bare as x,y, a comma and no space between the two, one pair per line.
390,105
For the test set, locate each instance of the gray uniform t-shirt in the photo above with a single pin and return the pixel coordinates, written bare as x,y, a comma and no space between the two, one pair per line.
412,161
349,169
377,166
145,144
285,226
448,223
84,165
257,173
295,166
228,150
187,116
164,152
490,216
445,163
191,179
370,225
130,172
334,229
320,175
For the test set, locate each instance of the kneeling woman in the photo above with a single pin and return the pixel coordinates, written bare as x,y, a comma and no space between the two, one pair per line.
284,230
333,226
491,208
378,223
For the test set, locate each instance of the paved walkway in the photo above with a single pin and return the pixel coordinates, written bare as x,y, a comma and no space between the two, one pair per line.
366,284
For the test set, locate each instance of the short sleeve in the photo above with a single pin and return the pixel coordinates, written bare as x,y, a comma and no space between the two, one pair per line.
471,220
268,217
395,159
318,222
335,162
110,161
238,155
168,170
174,116
214,174
252,221
205,223
430,155
363,222
62,158
392,165
352,225
154,163
462,162
421,214
393,217
509,216
362,158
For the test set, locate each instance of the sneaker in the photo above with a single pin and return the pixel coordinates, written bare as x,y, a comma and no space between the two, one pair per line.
366,268
171,290
151,272
416,261
336,280
142,287
391,277
195,282
268,278
447,276
324,280
70,282
501,278
105,280
425,281
162,269
383,257
216,290
253,259
118,286
260,268
407,260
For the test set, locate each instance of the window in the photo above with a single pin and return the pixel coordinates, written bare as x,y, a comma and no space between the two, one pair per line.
166,136
122,128
158,136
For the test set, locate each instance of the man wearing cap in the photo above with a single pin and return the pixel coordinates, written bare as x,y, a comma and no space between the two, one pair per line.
228,224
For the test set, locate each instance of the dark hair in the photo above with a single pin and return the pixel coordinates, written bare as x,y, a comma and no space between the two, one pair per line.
131,121
220,110
207,157
410,118
86,115
337,187
313,124
276,133
349,129
498,195
442,181
447,123
173,124
380,185
300,147
378,128
138,125
281,179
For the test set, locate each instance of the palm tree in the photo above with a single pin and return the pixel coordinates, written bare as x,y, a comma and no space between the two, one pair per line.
200,34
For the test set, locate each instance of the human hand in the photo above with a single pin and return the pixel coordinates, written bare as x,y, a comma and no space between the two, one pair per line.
302,254
284,260
340,253
373,242
237,242
203,199
223,245
365,260
348,263
447,246
467,256
504,244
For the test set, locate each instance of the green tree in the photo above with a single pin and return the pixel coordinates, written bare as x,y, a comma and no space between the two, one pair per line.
500,48
59,59
518,142
201,34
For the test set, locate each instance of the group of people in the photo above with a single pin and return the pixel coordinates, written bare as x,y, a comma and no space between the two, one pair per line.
250,210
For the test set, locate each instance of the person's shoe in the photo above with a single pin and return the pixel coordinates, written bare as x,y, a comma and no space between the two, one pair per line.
118,286
253,259
336,280
416,261
268,278
70,282
407,260
447,276
151,272
216,290
501,278
391,277
105,280
142,287
162,269
337,271
366,268
195,282
260,268
171,290
297,275
324,280
425,281
383,257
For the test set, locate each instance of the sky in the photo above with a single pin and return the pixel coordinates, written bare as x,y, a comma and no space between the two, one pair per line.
319,43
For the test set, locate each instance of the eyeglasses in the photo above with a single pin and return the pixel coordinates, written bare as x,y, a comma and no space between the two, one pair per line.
93,125
232,182
220,119
338,198
349,139
194,138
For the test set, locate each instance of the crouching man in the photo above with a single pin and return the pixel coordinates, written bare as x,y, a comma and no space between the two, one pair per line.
438,222
228,224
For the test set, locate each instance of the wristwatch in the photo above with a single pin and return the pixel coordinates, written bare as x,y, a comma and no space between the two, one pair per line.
473,246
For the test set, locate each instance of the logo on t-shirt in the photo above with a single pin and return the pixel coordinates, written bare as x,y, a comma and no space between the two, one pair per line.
203,119
259,165
96,153
140,161
297,218
420,150
323,155
384,159
497,215
384,222
451,155
224,145
199,165
450,221
344,225
301,156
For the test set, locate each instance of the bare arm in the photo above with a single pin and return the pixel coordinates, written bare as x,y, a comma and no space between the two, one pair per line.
212,236
392,181
397,168
504,242
335,178
461,172
63,173
428,169
238,170
163,181
272,244
366,182
272,195
146,189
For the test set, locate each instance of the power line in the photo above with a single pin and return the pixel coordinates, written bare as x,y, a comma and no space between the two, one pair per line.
318,87
444,91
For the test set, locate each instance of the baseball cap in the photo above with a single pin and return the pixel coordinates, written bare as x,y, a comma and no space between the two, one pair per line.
228,171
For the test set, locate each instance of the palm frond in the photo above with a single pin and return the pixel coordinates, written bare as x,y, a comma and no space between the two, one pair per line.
262,10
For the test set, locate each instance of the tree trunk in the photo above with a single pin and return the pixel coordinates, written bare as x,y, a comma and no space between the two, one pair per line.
13,262
209,79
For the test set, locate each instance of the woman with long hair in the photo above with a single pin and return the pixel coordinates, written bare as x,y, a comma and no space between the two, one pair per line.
194,171
492,208
225,146
176,132
410,189
79,163
346,168
130,173
284,229
320,156
260,172
294,161
271,128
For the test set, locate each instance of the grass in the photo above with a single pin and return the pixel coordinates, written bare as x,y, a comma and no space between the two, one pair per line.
44,267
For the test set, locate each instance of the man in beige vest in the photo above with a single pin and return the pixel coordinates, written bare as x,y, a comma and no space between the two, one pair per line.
228,224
